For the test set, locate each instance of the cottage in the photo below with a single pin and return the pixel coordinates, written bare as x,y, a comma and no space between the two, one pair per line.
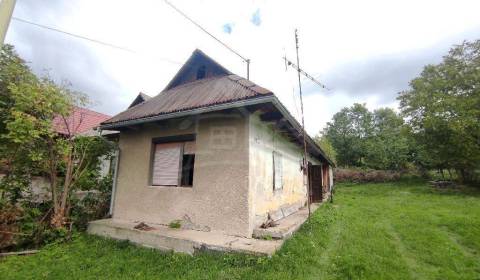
214,152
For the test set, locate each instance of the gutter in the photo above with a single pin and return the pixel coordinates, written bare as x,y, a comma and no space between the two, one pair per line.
236,104
114,181
276,102
213,108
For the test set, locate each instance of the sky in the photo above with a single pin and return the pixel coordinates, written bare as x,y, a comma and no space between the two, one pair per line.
364,51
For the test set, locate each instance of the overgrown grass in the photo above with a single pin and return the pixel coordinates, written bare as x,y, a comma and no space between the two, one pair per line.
371,231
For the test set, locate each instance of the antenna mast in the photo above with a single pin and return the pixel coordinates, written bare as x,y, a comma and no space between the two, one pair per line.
305,160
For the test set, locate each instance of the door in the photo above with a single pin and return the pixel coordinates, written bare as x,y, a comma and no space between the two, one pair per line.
326,179
315,174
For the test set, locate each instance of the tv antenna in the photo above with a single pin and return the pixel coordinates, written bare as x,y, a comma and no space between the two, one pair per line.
300,71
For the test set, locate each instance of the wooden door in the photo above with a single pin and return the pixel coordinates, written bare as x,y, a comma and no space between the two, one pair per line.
315,174
326,179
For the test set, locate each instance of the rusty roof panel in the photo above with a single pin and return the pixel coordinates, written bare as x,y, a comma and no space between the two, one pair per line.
198,94
260,90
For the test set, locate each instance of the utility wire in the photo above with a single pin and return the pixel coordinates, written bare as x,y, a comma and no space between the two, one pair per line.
211,35
87,38
204,30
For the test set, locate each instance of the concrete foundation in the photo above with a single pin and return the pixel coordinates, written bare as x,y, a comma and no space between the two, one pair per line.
285,227
182,240
188,241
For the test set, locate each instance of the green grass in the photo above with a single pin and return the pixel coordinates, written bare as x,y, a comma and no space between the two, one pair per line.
372,231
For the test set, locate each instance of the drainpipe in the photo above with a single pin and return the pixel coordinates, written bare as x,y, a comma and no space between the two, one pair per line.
114,183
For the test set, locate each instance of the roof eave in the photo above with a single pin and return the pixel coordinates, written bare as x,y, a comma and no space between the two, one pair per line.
276,102
218,107
196,111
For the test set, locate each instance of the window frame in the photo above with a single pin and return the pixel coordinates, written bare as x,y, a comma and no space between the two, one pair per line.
277,158
165,140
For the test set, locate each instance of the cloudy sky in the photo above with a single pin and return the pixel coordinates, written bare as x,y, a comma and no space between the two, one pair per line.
365,51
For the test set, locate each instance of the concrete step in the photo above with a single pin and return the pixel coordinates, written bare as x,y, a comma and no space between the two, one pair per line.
182,240
285,227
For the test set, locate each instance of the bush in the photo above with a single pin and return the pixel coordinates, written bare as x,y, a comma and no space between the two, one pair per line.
95,205
9,214
366,175
25,224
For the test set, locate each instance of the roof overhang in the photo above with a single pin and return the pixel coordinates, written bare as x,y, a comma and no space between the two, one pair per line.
313,147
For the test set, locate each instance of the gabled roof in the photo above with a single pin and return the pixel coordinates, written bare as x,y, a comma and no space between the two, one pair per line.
197,59
141,97
79,121
220,86
220,90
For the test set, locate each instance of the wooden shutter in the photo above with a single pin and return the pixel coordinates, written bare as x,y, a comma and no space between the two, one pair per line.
166,164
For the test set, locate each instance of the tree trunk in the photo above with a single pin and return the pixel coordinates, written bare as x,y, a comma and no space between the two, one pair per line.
58,218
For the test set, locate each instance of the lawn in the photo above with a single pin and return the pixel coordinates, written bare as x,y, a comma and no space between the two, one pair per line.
371,231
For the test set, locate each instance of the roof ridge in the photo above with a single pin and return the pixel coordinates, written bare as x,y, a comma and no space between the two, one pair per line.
78,108
191,83
250,87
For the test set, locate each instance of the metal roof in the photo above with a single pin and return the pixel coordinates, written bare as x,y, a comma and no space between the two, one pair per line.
197,94
215,93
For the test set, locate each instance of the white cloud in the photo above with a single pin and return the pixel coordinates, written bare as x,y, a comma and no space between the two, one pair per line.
356,35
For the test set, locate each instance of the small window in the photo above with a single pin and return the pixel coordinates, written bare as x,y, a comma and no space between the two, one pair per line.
187,170
201,72
173,164
277,171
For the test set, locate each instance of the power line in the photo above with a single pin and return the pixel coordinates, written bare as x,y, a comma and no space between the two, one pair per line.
88,39
211,35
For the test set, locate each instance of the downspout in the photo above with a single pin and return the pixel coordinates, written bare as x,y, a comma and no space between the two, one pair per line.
114,183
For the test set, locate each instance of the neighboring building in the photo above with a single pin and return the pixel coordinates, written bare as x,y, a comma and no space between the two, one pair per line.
81,121
213,149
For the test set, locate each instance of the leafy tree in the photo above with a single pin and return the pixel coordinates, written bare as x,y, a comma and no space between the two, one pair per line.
15,162
327,147
361,138
349,132
387,148
442,107
29,140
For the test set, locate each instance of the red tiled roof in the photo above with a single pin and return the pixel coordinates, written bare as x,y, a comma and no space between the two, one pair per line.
81,120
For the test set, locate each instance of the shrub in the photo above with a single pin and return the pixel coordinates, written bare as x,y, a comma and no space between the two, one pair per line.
366,175
9,214
175,224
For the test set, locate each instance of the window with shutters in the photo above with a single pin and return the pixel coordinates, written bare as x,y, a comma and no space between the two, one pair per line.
277,171
172,163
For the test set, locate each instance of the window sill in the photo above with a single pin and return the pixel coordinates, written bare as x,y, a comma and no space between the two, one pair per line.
170,187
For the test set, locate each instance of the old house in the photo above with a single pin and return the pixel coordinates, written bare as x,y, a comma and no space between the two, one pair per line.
215,152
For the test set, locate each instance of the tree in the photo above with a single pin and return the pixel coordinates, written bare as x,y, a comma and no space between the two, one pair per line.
387,148
31,140
443,110
326,146
349,132
361,138
15,160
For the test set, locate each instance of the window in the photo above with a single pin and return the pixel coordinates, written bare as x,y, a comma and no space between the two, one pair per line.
187,170
277,171
172,162
201,72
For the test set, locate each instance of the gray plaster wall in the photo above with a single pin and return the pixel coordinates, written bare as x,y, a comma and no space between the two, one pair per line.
264,140
220,194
